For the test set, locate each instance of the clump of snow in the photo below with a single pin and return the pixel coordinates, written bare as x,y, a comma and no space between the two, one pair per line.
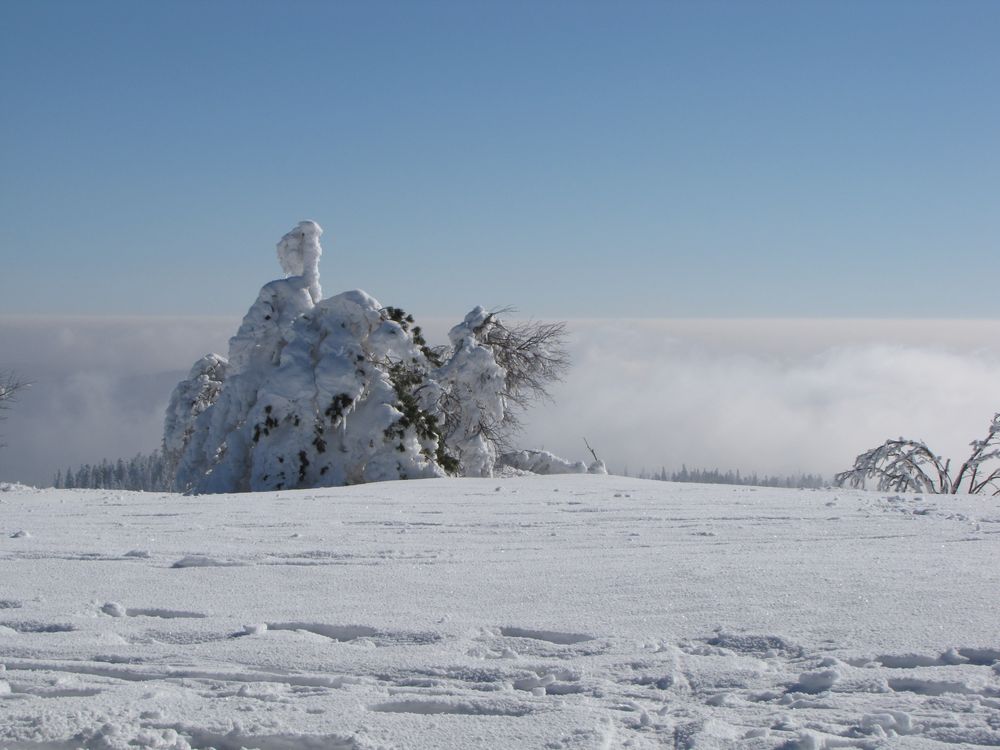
898,722
16,487
544,462
21,534
817,681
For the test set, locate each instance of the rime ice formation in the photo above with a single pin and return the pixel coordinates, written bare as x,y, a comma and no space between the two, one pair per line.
299,252
475,382
190,398
329,392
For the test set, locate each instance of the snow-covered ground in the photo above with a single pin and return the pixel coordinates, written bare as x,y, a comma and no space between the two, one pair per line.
573,611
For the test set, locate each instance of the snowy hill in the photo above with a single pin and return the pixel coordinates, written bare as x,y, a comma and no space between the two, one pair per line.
559,612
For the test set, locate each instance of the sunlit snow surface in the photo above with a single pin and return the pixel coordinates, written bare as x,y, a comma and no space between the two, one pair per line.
554,612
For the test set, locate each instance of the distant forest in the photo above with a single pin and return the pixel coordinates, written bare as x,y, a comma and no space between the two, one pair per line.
141,472
148,473
715,476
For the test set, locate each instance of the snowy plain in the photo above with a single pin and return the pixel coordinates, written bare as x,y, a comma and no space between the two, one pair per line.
546,612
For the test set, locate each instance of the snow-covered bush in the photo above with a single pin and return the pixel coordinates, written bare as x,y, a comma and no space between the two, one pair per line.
910,466
323,392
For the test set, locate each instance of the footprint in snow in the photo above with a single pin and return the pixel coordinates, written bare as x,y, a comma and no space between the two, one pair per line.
349,633
117,610
550,636
465,708
34,626
204,561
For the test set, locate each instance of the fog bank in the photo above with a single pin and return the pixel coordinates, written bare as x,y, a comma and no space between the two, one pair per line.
771,396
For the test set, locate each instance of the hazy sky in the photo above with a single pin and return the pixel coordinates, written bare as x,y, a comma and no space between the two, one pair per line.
587,161
572,159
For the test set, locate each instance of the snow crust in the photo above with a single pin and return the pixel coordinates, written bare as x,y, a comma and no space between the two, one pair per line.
571,611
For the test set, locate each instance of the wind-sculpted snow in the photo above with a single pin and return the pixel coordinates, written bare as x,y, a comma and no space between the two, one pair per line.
299,252
571,611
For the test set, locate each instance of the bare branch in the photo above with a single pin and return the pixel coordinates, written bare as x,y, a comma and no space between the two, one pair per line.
10,386
533,354
899,466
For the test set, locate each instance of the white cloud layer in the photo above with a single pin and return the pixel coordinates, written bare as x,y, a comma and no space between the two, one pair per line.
771,395
757,395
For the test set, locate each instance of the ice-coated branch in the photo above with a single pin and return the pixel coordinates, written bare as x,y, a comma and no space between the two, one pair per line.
910,466
983,451
899,466
533,355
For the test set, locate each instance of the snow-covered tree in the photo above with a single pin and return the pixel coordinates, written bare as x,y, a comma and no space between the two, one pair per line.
494,372
904,465
323,392
190,398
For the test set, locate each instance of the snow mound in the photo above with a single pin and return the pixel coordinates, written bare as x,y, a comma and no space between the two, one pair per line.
544,462
16,487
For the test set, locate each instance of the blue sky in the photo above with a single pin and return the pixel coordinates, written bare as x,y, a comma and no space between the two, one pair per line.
673,159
